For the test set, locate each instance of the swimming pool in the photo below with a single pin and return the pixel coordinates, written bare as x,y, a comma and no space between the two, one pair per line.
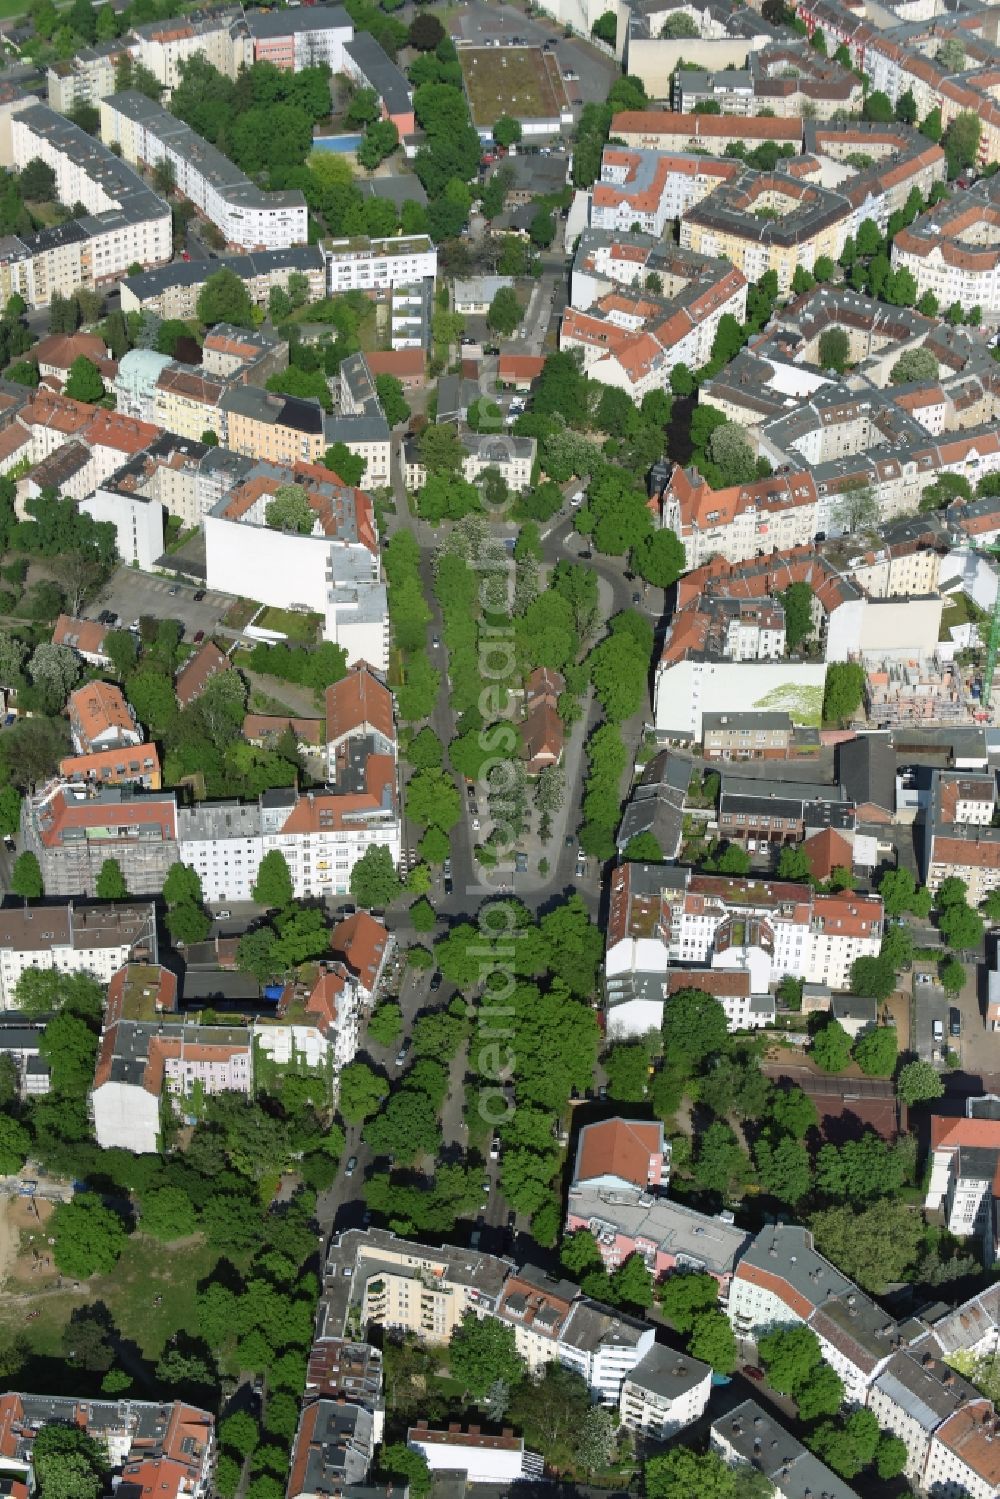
339,143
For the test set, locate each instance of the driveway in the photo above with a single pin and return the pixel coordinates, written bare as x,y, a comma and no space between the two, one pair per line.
930,1004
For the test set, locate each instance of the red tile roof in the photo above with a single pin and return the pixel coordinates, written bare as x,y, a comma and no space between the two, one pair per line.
618,1147
358,699
196,673
361,942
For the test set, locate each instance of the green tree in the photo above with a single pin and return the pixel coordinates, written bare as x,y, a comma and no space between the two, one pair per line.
713,1341
730,450
960,142
659,558
873,978
952,976
913,366
290,510
273,886
26,877
89,1237
847,1446
919,1082
361,1092
686,1295
683,1474
793,863
390,394
831,1047
482,1351
876,1050
84,382
15,1142
821,1395
182,884
790,1355
168,1214
504,312
694,1028
845,682
110,883
432,800
961,926
374,879
632,1284
794,1112
797,601
411,1466
239,1433
783,1167
224,298
386,1023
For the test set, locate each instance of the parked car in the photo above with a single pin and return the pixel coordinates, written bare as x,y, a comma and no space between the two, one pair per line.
937,1030
199,595
199,637
352,1166
521,863
495,1148
955,1021
224,916
401,1053
435,980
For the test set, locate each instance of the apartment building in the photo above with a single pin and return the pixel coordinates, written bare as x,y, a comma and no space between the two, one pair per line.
360,422
915,1393
321,835
87,77
306,38
964,1453
663,1393
619,1154
163,47
137,765
553,1322
749,1434
365,62
747,736
85,636
770,515
162,1447
334,572
73,938
474,1457
661,915
668,1236
172,290
964,1159
247,217
333,1450
126,223
630,336
952,250
781,1281
100,718
759,819
664,130
72,830
358,707
274,427
957,835
362,264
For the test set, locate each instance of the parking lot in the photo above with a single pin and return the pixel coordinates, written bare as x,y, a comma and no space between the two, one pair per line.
931,1005
131,594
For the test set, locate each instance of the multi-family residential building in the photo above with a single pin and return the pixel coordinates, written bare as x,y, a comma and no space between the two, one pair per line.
333,1450
21,1043
364,946
666,1234
661,916
663,1393
914,1394
100,718
135,765
358,707
71,829
769,515
781,1281
321,834
85,636
270,426
126,223
553,1322
362,264
247,217
143,1059
951,250
958,838
630,336
334,572
360,422
172,290
367,64
746,736
198,670
749,1434
307,38
963,1458
474,1456
166,1448
73,938
663,130
620,1154
965,1159
87,77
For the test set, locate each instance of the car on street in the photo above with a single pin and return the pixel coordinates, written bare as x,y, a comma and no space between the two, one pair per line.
937,1030
495,1148
447,868
448,885
435,641
352,1166
751,1373
401,1053
224,916
581,865
475,824
173,591
521,863
570,840
637,598
199,637
955,1021
435,980
486,1186
199,595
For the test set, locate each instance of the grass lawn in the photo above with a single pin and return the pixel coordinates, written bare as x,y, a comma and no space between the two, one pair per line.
239,615
301,629
146,1270
518,81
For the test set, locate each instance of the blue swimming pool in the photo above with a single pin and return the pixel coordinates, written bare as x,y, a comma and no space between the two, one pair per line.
340,143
